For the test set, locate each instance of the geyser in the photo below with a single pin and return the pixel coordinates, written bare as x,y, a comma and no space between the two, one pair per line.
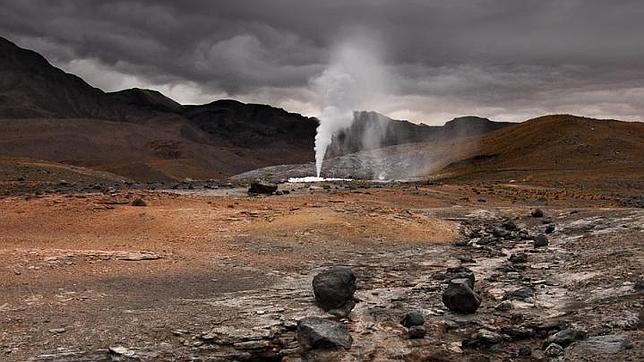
354,79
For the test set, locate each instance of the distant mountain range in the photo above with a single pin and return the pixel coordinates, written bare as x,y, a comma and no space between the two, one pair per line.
47,114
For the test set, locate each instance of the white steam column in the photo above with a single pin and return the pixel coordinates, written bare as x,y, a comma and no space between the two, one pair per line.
354,80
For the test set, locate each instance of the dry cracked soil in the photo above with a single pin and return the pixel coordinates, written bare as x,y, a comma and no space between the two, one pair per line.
217,275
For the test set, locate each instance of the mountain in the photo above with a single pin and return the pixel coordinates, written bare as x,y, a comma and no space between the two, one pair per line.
146,99
561,147
372,130
30,87
48,114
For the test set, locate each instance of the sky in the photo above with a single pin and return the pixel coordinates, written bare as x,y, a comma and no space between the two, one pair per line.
503,59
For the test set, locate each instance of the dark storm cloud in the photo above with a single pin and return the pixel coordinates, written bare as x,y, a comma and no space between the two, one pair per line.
505,59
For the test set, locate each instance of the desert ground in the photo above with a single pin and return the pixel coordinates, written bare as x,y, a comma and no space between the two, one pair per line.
211,273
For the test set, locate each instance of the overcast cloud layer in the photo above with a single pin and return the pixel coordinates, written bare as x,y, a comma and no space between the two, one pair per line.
508,60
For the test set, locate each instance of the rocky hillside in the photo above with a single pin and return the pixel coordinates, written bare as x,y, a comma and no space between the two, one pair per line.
564,146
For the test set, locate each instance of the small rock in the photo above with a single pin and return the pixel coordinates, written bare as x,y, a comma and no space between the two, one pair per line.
318,333
540,241
460,272
138,202
550,228
460,298
483,338
518,332
57,330
509,225
261,187
500,232
536,213
412,318
416,332
504,306
565,337
522,293
525,351
554,350
519,258
334,288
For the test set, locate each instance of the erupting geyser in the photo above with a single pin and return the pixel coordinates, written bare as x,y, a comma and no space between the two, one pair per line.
354,79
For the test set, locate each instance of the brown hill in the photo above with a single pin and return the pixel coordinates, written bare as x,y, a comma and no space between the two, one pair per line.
557,147
557,142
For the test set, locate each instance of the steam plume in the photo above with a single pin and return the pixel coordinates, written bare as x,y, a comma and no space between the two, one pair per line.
354,78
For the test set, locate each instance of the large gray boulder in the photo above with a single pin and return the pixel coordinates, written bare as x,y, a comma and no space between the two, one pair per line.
319,333
460,298
334,288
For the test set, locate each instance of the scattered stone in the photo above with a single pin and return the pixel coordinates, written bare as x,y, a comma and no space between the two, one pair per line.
525,351
334,288
518,332
138,202
504,306
412,318
536,212
416,332
540,241
550,228
565,337
483,338
57,330
522,293
518,258
460,272
318,333
460,298
500,232
261,187
510,225
554,350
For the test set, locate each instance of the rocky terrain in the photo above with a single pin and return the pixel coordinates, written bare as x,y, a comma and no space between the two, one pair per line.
214,274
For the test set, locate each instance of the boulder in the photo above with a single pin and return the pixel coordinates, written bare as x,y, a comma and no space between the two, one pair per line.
334,288
319,333
540,241
261,187
460,298
413,318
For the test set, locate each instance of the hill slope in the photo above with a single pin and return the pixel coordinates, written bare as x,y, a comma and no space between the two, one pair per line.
549,145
